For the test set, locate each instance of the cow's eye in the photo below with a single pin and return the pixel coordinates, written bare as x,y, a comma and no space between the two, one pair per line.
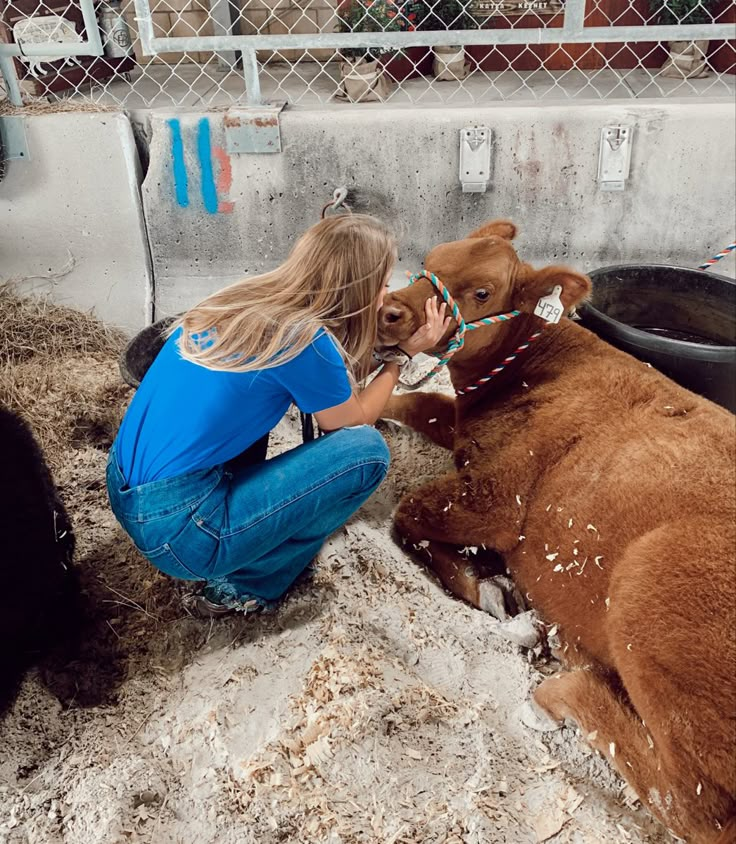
481,294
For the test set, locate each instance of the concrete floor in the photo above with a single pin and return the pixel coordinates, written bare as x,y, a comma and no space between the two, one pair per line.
309,83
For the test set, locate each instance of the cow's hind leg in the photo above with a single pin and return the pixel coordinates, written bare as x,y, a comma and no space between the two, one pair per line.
612,727
667,724
451,541
606,720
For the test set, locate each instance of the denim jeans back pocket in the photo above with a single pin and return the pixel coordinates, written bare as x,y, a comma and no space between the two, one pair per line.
210,515
166,561
179,543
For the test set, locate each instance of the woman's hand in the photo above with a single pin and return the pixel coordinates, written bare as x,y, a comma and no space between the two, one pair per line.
431,332
365,408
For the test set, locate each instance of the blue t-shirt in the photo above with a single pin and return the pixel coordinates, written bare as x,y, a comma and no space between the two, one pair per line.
184,417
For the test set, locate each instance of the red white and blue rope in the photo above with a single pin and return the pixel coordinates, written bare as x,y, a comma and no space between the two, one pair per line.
708,264
504,363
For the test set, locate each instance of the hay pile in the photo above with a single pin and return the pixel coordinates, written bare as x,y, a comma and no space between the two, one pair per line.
371,708
40,105
58,368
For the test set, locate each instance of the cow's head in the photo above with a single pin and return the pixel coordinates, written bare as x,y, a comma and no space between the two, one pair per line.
485,277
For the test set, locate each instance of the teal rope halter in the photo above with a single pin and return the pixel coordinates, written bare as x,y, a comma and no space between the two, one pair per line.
458,341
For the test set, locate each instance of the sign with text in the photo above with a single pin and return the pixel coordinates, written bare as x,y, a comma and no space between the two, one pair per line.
514,8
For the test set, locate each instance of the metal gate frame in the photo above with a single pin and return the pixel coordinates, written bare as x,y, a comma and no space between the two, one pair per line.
572,31
91,47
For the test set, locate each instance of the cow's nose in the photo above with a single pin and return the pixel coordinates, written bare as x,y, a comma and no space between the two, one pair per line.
391,315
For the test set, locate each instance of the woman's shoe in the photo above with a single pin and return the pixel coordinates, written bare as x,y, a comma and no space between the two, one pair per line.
205,608
208,604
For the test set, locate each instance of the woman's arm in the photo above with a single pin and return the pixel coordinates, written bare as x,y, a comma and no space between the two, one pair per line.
362,408
365,408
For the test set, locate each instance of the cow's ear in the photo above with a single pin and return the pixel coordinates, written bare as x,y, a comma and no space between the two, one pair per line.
534,284
500,228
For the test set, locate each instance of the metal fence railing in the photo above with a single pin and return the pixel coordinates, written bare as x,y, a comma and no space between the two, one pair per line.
150,53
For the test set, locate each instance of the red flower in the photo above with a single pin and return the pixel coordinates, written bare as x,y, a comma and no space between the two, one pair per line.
411,29
412,17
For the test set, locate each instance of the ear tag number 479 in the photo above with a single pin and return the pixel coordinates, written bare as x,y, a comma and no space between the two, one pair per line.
550,307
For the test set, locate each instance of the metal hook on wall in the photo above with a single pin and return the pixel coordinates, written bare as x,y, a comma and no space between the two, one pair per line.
338,204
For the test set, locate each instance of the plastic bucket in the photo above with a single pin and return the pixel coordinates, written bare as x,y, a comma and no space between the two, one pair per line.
682,321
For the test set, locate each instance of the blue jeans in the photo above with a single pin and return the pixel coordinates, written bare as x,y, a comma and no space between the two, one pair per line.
249,531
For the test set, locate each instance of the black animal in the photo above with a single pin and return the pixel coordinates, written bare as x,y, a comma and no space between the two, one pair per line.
39,591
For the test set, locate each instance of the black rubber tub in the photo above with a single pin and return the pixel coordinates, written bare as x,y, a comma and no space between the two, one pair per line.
681,321
140,353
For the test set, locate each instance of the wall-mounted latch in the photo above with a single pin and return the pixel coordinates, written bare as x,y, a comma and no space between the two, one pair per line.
614,158
475,158
254,130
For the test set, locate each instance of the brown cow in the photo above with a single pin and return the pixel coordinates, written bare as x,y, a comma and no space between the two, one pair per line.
609,493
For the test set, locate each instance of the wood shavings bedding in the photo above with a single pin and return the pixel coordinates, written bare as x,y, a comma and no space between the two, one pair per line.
371,708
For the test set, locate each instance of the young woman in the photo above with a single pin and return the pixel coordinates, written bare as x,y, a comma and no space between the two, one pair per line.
187,475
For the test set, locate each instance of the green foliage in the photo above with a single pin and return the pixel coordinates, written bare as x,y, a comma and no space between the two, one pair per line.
445,14
395,16
374,16
672,12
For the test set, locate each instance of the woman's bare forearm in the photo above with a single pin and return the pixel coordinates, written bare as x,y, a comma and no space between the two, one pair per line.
365,407
375,396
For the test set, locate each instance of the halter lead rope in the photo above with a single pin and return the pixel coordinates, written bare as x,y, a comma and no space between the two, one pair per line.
706,265
458,341
506,361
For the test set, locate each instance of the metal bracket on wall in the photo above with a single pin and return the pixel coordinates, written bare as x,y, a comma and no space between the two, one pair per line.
254,130
614,159
13,143
475,158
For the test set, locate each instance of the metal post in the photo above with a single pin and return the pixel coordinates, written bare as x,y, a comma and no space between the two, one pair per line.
574,17
221,13
92,28
7,69
145,26
250,75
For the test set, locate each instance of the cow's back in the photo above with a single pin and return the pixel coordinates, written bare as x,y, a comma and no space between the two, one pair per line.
641,453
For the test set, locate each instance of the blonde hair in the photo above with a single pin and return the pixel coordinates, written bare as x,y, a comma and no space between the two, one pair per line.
331,280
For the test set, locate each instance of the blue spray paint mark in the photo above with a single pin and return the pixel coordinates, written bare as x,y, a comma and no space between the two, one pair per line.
180,171
204,148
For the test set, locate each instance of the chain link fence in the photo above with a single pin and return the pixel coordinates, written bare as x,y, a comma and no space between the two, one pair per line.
218,53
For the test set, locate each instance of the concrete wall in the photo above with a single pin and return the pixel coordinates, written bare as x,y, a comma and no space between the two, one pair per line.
71,219
678,205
